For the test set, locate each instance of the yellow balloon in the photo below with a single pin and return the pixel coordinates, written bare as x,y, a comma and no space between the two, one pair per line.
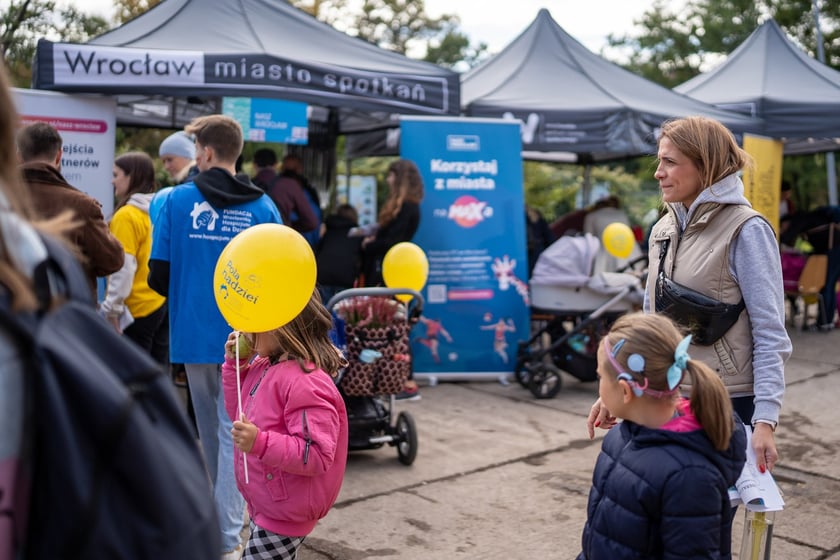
264,278
618,240
405,266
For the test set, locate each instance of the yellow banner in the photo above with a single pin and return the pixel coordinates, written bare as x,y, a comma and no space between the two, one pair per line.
763,182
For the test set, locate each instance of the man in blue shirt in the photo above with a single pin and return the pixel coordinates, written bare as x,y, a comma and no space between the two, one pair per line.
194,225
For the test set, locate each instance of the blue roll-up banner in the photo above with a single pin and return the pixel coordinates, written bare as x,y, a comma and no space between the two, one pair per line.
472,229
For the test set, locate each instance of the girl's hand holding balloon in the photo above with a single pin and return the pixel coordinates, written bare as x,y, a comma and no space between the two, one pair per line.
244,434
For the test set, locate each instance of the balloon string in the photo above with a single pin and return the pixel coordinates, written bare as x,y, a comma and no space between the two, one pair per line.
239,402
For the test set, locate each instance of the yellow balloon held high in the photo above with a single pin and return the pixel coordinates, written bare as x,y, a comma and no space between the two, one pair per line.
405,266
618,240
264,278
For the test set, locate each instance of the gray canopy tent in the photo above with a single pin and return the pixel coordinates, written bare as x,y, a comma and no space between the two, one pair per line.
575,102
200,49
770,77
575,106
180,58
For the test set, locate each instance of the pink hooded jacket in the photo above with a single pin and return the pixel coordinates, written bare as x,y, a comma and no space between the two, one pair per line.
296,466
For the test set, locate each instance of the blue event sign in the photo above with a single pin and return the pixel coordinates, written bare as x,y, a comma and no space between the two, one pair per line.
269,120
473,232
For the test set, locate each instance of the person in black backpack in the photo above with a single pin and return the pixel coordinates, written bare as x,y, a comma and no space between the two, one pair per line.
20,251
96,458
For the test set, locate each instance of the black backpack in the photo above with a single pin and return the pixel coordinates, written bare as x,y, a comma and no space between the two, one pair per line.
115,471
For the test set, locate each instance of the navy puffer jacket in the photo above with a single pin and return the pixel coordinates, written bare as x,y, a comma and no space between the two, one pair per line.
661,494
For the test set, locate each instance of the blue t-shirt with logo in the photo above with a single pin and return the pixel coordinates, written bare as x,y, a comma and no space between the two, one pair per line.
190,234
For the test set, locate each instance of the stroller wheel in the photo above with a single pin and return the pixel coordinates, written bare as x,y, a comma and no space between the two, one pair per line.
522,371
406,432
545,381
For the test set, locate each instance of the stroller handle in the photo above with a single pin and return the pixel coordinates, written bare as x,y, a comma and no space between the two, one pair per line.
415,305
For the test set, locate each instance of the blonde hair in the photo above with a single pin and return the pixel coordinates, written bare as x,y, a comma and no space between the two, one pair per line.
219,132
709,144
408,185
306,339
655,337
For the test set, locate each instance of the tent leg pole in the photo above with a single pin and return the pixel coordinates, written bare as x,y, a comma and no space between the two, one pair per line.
830,166
586,187
831,171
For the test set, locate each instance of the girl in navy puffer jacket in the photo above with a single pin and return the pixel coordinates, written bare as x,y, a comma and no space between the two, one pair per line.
660,486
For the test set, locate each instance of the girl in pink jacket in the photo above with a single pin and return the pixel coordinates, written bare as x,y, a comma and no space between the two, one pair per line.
292,429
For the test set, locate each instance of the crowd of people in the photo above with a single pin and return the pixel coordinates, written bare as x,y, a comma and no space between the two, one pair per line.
288,431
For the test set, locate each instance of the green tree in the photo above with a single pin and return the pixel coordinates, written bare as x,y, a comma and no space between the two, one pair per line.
332,12
396,24
453,49
671,48
24,21
553,189
402,26
130,9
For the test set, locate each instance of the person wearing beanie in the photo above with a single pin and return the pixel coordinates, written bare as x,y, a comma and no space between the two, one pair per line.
193,226
177,153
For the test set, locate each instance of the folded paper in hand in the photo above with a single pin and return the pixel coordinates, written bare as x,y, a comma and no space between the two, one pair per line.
756,490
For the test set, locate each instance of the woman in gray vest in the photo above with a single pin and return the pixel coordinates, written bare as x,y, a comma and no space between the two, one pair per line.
715,269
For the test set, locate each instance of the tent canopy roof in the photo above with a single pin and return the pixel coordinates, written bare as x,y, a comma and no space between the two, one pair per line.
271,27
770,77
256,48
572,100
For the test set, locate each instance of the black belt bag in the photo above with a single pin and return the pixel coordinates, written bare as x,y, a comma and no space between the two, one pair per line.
707,319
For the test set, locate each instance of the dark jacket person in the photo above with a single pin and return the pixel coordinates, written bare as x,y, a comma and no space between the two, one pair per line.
39,149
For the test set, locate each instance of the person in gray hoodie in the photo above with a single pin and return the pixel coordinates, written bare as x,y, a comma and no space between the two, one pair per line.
713,243
130,305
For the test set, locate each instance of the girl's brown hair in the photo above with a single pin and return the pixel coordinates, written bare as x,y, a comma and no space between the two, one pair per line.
141,174
709,144
655,337
306,339
408,185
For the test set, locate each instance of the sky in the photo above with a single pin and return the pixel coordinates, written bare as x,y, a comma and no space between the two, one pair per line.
588,21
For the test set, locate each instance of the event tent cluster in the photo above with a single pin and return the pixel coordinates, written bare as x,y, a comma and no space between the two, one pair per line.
165,67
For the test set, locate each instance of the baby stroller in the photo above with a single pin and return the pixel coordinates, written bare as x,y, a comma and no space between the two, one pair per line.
571,309
373,330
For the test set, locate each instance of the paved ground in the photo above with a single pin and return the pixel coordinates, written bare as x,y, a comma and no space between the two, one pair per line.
500,475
